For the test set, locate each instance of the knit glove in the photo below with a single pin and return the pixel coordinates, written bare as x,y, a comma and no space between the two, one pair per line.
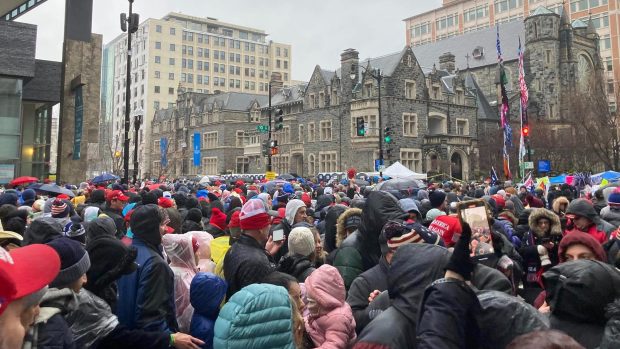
544,255
460,261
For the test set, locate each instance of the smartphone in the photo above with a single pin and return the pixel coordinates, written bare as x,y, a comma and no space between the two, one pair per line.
474,213
278,235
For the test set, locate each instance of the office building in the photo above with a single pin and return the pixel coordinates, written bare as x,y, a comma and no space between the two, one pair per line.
202,55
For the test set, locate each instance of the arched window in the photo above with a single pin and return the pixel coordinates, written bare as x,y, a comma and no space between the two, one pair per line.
311,165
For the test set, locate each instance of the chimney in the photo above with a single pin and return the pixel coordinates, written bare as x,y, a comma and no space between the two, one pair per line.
349,64
276,83
447,62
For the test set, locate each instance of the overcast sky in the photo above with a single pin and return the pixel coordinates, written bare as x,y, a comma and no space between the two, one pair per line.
318,30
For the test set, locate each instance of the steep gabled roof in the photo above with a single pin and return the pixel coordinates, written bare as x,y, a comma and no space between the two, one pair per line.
485,110
541,10
288,94
327,75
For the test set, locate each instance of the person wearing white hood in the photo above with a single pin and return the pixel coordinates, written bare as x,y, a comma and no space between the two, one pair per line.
295,213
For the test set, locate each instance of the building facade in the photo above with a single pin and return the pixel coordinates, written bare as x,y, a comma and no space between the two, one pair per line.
457,17
28,90
195,54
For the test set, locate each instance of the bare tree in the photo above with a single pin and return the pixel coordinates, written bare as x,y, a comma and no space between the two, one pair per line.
115,152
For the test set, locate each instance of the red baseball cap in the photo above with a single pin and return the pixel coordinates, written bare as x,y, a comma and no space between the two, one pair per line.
116,195
26,270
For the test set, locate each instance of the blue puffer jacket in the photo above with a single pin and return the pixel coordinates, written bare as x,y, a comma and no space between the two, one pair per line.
256,317
146,296
206,293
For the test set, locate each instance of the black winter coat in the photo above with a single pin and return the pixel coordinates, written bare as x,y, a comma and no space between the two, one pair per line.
375,278
448,316
245,263
414,267
296,266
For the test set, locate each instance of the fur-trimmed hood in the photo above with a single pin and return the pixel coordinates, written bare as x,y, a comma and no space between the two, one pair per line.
559,201
538,213
341,232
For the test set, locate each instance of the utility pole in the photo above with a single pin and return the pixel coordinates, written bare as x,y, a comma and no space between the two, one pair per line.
269,167
137,122
129,24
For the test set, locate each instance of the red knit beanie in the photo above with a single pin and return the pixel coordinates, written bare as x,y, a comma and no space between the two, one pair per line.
218,218
234,220
165,202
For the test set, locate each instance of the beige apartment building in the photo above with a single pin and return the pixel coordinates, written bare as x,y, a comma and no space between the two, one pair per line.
178,50
456,17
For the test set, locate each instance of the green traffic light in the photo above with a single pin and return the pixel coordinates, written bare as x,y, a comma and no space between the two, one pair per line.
388,139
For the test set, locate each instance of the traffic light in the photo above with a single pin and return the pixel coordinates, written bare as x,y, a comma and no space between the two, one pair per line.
279,119
273,147
387,135
526,130
388,152
265,149
361,130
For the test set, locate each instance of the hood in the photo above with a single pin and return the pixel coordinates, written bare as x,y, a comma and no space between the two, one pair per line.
577,237
144,223
207,284
501,329
538,213
175,219
331,219
291,210
584,208
194,215
110,259
54,300
422,195
341,232
294,265
562,200
323,201
580,290
524,217
325,285
179,250
100,227
380,208
413,268
42,230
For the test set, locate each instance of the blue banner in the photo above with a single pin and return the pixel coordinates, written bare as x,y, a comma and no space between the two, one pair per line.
79,119
196,148
163,146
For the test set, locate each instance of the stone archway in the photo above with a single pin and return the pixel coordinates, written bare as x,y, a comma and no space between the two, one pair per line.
432,162
459,165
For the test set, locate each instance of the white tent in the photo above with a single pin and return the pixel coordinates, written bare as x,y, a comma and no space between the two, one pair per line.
397,170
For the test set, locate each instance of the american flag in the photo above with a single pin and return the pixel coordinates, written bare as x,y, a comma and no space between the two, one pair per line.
494,178
529,181
523,104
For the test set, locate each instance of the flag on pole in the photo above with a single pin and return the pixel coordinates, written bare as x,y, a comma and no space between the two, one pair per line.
493,174
529,181
523,105
504,109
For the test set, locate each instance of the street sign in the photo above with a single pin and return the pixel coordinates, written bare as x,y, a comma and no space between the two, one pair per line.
381,168
270,175
528,165
544,166
378,164
262,128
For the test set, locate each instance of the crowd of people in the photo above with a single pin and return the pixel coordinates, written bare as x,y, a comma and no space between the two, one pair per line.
297,264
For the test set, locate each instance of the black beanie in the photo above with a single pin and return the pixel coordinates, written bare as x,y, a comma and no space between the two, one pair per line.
74,261
437,198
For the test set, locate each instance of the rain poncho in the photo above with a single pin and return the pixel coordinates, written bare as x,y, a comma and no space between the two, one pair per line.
205,264
179,249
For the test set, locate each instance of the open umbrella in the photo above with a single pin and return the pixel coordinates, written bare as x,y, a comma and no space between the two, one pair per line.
104,178
286,177
272,184
56,189
400,184
23,180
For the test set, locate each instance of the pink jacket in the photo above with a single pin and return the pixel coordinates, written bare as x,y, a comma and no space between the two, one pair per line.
335,328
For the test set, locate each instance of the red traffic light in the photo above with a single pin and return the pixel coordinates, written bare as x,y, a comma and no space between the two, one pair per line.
526,130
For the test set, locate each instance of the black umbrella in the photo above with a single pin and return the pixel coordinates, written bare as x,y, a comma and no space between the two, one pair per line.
400,184
56,189
104,178
286,177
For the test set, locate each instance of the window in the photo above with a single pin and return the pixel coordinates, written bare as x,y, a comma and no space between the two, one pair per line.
609,64
476,13
209,165
190,50
171,61
311,164
410,125
156,105
157,59
300,133
328,161
605,42
421,30
158,45
548,57
240,139
326,130
172,47
157,74
170,76
285,64
190,78
243,165
506,5
447,22
311,132
183,77
462,127
158,28
277,63
285,52
209,140
411,158
156,146
205,66
173,31
285,76
206,53
156,89
372,128
199,80
190,64
254,115
410,91
205,79
170,90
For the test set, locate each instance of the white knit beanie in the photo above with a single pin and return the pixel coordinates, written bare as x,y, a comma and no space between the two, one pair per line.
301,241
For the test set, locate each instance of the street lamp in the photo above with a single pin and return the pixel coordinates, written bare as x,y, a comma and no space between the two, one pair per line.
137,122
129,24
377,75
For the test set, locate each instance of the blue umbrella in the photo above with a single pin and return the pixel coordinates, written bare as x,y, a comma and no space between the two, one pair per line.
106,177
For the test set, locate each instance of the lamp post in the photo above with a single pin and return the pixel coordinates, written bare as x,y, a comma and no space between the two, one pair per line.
377,75
137,122
133,20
